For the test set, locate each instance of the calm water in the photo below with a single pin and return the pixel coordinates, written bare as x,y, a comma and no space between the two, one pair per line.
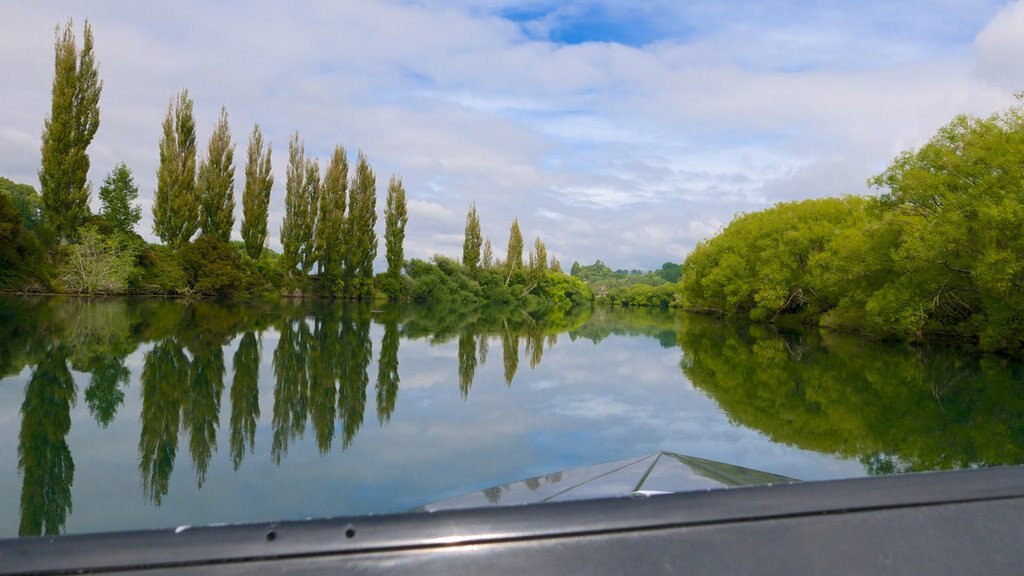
121,414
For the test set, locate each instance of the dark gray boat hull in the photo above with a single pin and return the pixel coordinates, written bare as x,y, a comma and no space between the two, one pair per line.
937,523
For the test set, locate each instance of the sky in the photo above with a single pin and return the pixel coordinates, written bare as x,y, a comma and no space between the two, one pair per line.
625,132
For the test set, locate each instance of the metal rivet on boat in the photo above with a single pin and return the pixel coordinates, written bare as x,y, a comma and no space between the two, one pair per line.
350,532
271,536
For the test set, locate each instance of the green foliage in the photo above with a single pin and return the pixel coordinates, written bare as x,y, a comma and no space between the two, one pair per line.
259,180
68,131
300,213
212,267
163,271
361,240
661,296
472,240
617,286
97,264
26,200
330,245
176,205
396,216
215,183
117,197
514,253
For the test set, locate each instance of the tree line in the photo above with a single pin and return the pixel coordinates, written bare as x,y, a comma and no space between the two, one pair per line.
937,252
51,241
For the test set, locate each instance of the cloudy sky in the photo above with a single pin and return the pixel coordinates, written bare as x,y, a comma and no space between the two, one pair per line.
620,131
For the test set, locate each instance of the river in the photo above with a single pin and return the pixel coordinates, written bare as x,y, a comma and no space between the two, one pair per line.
123,414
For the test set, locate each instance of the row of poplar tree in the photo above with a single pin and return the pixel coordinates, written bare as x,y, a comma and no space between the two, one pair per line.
329,221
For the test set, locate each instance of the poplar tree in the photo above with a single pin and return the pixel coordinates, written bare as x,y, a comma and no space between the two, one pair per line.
395,218
360,237
328,241
472,240
514,255
175,204
216,183
117,196
256,196
540,252
295,206
487,260
68,131
311,197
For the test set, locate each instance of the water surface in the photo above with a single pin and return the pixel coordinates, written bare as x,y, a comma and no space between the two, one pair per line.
123,414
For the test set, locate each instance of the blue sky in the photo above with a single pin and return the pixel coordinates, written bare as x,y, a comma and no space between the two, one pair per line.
625,132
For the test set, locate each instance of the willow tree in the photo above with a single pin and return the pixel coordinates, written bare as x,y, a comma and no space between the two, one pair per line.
216,183
256,196
472,240
396,216
68,131
360,237
514,254
175,204
328,240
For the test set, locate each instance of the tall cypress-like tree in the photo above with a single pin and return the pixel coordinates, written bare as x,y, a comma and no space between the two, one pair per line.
256,196
117,197
472,240
311,196
487,259
216,183
175,204
514,255
328,240
540,262
396,216
68,131
360,235
295,205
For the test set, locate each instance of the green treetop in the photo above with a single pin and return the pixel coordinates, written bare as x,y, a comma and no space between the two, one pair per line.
175,204
68,131
487,258
294,238
330,244
117,196
395,218
472,240
256,197
361,238
216,183
514,255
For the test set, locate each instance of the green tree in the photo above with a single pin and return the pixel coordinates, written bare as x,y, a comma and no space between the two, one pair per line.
26,200
245,397
96,264
396,216
359,233
117,196
256,197
297,226
514,254
472,240
68,131
540,258
330,246
487,258
175,204
216,183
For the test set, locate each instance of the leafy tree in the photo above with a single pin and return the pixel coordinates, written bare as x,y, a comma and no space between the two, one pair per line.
472,240
212,266
259,180
216,183
540,257
514,254
359,232
26,200
311,196
68,131
330,244
396,216
487,259
118,195
175,204
96,264
297,227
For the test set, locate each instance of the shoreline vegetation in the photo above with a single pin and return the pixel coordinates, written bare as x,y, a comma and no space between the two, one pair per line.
936,253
